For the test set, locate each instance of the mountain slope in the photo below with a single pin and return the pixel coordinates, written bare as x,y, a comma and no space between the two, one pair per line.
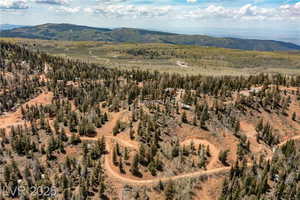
9,26
85,33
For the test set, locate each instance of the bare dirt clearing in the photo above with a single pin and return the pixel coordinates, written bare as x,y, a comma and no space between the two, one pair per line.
15,118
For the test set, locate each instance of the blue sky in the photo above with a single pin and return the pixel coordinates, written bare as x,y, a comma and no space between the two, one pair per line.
261,19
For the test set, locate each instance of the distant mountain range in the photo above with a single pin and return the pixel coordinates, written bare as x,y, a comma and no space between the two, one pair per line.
9,26
84,33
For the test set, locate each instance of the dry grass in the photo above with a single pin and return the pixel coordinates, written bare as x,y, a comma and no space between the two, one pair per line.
165,57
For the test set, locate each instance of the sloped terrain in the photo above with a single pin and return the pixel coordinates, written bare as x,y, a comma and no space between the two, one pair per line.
83,33
83,131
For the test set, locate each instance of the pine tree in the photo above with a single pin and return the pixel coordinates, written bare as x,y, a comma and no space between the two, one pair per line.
202,123
184,117
115,157
135,166
237,128
152,168
195,120
175,150
7,173
259,126
131,133
118,149
170,190
208,151
101,189
202,163
56,126
223,157
42,123
160,185
105,117
177,109
294,116
102,145
126,154
116,128
121,168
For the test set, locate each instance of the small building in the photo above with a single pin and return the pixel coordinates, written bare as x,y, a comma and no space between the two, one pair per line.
169,89
255,90
185,107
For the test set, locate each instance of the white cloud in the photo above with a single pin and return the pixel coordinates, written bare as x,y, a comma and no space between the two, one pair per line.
67,9
289,10
121,9
88,10
246,12
54,2
111,1
130,11
13,4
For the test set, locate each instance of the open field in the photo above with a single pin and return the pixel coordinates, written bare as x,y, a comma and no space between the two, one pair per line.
181,59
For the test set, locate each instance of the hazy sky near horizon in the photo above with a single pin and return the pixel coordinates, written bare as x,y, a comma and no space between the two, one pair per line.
262,19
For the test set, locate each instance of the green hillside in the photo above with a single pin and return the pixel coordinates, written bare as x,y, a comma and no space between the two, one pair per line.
83,33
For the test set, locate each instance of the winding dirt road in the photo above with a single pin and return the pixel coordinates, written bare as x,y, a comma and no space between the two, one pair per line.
108,165
129,180
14,118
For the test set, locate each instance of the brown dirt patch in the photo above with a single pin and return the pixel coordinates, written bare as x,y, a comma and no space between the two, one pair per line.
15,118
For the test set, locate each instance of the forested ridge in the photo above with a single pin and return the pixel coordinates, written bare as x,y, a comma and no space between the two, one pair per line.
91,132
71,32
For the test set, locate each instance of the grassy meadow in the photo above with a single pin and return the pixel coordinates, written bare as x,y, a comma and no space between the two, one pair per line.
170,58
